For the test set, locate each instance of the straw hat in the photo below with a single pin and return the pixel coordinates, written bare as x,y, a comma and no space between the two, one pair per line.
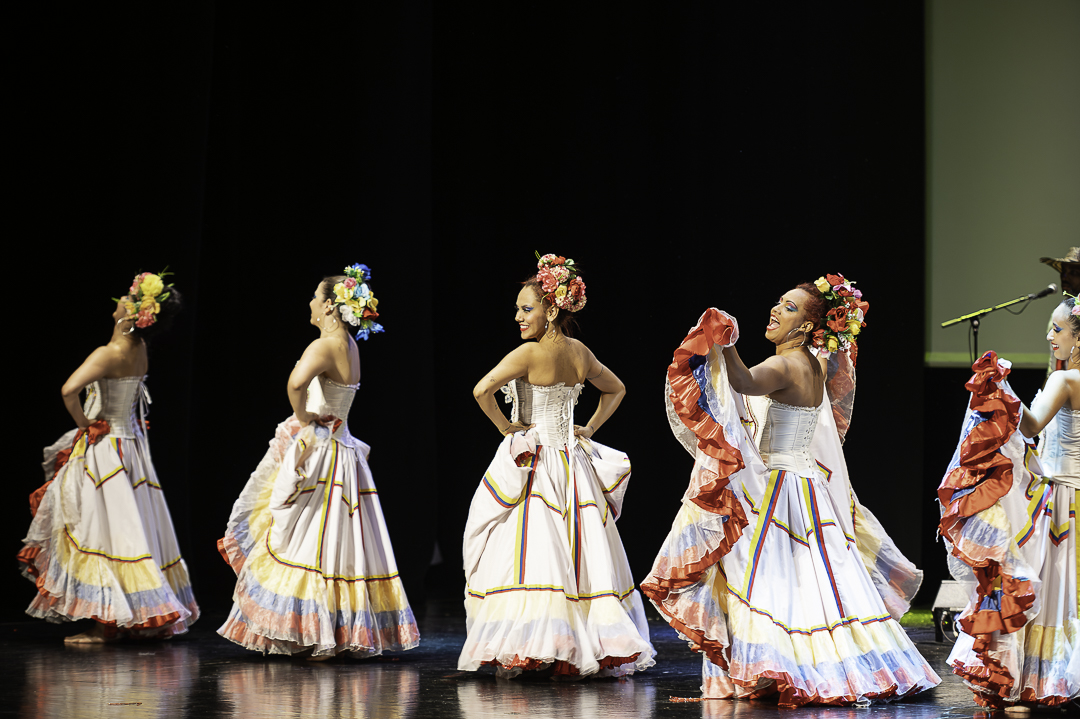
1072,257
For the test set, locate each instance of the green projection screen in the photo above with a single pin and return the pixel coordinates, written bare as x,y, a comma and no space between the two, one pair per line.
1003,168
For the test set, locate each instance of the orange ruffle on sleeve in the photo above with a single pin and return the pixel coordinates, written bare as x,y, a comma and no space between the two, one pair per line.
988,475
675,570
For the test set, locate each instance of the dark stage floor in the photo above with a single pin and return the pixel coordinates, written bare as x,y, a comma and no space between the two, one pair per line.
202,675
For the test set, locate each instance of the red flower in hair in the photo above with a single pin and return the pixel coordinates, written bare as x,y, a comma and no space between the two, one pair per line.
836,319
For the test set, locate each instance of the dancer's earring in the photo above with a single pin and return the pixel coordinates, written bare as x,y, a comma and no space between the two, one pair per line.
129,330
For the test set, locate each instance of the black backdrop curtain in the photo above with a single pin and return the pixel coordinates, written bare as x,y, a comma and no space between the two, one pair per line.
685,156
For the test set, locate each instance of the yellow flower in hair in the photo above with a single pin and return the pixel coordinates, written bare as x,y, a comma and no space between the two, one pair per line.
560,292
823,285
151,286
148,303
854,327
342,292
372,302
833,344
357,304
130,307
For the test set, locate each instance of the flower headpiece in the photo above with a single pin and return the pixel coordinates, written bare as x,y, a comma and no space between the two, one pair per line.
356,302
144,297
844,320
1076,303
561,282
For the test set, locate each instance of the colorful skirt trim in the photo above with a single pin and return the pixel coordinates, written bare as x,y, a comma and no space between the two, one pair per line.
315,569
1015,529
102,544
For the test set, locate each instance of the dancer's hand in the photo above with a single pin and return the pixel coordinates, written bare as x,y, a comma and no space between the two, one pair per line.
585,432
515,427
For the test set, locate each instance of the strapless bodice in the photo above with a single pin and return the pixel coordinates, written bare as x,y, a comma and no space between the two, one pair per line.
120,402
1060,450
550,408
786,437
327,397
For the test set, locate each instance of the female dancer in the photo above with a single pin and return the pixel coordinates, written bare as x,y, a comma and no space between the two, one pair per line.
102,544
547,583
307,539
785,606
1011,516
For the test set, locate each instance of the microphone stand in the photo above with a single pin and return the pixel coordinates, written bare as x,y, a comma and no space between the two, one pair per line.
975,318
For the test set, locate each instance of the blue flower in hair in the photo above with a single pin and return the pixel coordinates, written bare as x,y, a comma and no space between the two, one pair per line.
363,270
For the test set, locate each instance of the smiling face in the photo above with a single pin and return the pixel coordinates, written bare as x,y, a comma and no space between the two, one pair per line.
787,316
530,315
1061,336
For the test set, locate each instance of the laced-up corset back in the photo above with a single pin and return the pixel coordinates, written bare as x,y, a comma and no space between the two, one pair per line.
337,401
1060,453
118,401
550,408
785,440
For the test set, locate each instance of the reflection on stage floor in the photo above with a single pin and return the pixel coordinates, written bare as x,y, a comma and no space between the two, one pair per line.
202,675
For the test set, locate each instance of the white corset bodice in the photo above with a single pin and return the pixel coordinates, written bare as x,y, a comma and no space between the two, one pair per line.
121,402
327,397
550,408
786,437
1060,450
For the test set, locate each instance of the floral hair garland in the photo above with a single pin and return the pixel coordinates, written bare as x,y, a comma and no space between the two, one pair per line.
144,297
561,282
844,320
356,302
1076,303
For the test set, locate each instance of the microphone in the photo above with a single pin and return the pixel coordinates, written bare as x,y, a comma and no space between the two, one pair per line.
1050,289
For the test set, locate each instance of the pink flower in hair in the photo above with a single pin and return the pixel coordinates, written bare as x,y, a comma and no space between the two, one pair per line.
547,280
350,282
1075,309
146,318
550,259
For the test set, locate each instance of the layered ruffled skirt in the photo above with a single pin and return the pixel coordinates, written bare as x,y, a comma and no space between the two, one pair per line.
1016,530
547,581
102,544
784,582
314,565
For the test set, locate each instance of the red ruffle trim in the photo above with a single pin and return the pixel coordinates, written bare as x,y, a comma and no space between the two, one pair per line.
94,432
989,473
234,558
679,576
28,555
711,648
559,667
997,682
712,329
792,698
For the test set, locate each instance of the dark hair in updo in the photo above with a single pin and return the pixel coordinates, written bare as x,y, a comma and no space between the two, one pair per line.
170,307
1074,320
816,306
564,321
326,291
